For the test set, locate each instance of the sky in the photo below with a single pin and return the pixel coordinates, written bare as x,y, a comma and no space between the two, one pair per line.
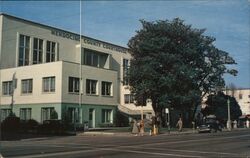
117,21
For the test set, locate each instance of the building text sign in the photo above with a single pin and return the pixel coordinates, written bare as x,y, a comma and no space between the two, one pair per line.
88,41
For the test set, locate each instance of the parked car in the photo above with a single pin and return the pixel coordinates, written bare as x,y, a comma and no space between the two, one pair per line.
210,124
209,127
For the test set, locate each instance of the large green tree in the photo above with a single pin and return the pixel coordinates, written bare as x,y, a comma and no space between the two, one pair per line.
175,65
217,105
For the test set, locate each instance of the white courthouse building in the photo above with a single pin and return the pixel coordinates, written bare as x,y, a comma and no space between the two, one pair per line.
40,71
242,96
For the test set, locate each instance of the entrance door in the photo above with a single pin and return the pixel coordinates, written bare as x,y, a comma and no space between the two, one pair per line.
91,118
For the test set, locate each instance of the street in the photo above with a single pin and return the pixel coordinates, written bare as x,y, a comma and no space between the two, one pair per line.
222,144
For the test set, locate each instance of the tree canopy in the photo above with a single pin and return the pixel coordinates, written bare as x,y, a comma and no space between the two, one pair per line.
175,65
217,105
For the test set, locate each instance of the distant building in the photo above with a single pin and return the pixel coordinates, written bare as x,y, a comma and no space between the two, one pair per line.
242,96
40,73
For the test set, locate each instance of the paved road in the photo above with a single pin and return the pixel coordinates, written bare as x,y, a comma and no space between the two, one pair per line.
224,145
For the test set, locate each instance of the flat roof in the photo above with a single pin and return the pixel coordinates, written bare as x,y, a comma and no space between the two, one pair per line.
40,24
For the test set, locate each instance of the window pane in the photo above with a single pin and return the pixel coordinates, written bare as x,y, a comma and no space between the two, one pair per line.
53,47
21,40
70,84
21,55
45,85
126,98
93,87
40,57
34,57
48,46
88,58
88,86
27,86
47,57
40,44
52,84
95,60
27,42
103,88
35,44
73,84
30,86
26,56
76,85
52,56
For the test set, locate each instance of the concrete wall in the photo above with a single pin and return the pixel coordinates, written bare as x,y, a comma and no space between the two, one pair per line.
35,72
89,72
244,102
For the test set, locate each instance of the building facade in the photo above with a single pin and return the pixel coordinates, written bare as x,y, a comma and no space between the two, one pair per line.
44,70
242,96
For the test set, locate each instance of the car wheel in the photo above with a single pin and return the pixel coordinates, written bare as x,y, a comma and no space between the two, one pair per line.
213,131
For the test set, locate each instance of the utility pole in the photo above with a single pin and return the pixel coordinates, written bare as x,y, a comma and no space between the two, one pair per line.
228,115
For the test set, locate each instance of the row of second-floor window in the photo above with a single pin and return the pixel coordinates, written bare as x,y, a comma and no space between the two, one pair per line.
36,47
27,86
91,87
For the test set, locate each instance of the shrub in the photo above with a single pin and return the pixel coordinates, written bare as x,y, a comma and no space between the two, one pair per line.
51,127
10,128
28,125
11,123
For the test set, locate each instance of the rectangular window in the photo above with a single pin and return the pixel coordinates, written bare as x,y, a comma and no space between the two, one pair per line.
129,99
125,72
49,84
240,96
91,87
24,49
25,113
94,58
37,51
46,113
7,88
50,51
73,114
27,86
73,85
4,113
106,88
107,116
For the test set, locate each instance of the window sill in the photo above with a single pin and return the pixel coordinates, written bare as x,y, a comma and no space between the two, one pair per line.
6,95
48,92
94,95
74,93
107,96
26,94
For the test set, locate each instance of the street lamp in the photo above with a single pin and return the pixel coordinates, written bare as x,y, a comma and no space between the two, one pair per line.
228,115
167,111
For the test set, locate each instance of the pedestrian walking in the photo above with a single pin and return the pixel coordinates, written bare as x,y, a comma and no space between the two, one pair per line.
179,124
135,129
141,128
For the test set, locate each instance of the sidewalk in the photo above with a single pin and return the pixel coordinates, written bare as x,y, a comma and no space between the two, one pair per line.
118,132
125,132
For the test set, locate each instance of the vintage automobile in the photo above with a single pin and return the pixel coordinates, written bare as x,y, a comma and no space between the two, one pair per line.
210,125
